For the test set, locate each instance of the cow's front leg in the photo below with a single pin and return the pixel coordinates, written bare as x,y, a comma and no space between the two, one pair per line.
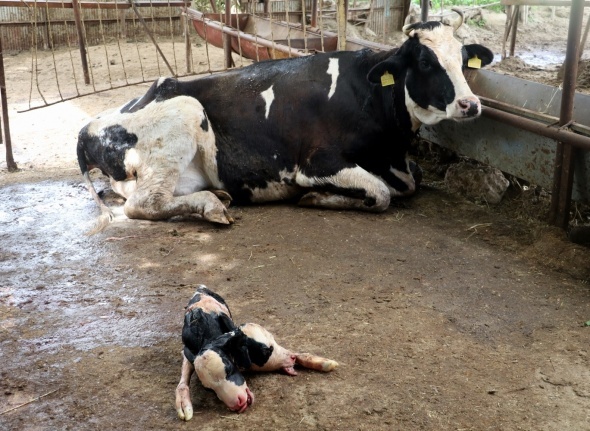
349,188
184,406
403,179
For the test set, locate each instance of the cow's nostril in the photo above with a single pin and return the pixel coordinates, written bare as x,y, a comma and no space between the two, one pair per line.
464,103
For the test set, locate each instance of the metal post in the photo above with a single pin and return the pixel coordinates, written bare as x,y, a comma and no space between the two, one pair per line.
10,163
424,5
81,41
314,13
565,155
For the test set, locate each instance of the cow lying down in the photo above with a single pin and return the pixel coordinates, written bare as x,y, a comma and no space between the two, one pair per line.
219,351
161,159
330,130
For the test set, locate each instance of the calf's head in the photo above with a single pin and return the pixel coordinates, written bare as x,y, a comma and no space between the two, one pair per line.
430,66
216,368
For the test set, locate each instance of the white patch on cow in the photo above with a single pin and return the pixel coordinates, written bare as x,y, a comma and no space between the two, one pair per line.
448,51
350,178
276,190
268,96
333,71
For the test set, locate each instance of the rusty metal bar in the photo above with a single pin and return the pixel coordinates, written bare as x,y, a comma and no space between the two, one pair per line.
314,13
532,115
541,129
245,36
81,41
10,163
563,177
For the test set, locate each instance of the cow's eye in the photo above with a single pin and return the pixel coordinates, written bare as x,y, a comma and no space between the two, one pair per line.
424,65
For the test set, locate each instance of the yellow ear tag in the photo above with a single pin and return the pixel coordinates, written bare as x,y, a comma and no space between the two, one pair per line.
474,63
387,79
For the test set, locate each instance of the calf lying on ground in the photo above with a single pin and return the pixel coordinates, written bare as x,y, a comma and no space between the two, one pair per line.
218,350
161,159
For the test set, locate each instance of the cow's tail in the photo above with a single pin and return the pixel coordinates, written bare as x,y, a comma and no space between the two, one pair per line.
106,214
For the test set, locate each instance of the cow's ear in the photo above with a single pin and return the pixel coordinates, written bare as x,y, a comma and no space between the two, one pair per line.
475,50
391,66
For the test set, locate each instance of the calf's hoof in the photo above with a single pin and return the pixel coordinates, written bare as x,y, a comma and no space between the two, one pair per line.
184,406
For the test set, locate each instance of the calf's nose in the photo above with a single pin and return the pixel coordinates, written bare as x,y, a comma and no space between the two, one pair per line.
470,106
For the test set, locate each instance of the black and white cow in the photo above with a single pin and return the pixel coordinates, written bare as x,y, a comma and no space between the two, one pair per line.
161,159
331,130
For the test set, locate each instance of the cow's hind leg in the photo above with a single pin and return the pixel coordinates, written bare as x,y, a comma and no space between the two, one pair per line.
350,188
155,205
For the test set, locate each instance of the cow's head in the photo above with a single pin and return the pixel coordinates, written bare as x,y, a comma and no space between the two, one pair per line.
430,66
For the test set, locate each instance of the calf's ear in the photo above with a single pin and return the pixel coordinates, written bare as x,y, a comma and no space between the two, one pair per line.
225,323
484,54
391,66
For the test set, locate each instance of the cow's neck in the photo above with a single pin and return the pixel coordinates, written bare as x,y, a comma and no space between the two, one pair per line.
398,121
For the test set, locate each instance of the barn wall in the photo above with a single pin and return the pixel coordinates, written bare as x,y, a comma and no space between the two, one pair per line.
24,27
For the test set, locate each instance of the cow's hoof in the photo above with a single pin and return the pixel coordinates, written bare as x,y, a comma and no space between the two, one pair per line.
417,173
218,215
310,199
223,196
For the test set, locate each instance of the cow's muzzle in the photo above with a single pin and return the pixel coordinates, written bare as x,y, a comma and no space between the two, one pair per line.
469,107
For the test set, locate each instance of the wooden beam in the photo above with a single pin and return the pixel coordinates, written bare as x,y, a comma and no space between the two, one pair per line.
57,4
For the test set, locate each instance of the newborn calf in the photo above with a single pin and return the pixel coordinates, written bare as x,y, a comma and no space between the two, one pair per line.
218,350
208,318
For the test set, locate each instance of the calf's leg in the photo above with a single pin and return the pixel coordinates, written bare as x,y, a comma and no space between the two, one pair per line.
184,406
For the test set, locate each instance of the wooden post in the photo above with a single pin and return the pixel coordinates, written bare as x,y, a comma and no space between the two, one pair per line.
187,43
226,37
514,30
12,167
122,24
341,18
81,41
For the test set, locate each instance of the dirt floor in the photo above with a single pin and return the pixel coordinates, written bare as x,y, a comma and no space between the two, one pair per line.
444,314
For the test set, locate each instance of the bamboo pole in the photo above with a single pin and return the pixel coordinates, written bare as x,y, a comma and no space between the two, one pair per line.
341,18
